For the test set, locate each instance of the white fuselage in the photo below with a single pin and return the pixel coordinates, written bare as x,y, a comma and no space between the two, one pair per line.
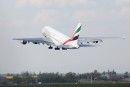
58,38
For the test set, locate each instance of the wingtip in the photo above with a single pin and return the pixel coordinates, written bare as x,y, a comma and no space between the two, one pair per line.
123,37
14,39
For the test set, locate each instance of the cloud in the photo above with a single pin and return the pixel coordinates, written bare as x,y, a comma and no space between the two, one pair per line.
122,2
50,14
85,15
66,3
49,3
125,12
45,15
56,16
35,3
51,17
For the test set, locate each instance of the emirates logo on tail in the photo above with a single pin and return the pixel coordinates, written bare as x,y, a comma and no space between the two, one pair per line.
75,36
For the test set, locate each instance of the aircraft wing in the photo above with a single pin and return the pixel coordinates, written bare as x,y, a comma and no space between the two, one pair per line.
35,40
95,39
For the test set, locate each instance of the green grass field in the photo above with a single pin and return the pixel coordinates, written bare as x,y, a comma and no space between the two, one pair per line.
72,85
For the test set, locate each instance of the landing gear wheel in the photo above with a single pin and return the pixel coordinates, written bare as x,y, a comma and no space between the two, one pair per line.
50,47
64,49
57,48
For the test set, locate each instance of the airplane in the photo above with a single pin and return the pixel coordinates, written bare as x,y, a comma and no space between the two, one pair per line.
56,39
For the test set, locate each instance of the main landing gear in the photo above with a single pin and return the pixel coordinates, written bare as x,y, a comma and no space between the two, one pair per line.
57,48
50,47
64,49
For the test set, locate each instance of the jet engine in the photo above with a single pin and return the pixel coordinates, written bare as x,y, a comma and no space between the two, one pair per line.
95,41
35,42
24,42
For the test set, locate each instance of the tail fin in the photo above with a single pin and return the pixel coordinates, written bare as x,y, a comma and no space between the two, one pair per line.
75,36
77,32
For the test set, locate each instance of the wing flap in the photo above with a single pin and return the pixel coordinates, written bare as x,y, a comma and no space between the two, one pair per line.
36,40
88,40
98,38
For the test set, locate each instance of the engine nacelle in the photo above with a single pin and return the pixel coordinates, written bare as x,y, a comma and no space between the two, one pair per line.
35,42
95,41
24,42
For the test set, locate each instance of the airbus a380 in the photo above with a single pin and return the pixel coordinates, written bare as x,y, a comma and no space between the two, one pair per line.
56,39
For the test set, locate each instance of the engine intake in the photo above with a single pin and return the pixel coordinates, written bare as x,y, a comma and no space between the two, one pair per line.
35,43
95,41
24,42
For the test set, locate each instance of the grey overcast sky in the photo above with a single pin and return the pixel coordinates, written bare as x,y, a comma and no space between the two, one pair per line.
26,18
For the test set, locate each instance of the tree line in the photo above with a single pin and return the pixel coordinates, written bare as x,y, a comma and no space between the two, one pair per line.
70,77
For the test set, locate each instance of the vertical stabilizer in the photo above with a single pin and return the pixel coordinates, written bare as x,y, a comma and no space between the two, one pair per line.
77,32
75,36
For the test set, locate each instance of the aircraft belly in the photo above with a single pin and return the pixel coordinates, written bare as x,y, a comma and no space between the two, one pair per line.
57,43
